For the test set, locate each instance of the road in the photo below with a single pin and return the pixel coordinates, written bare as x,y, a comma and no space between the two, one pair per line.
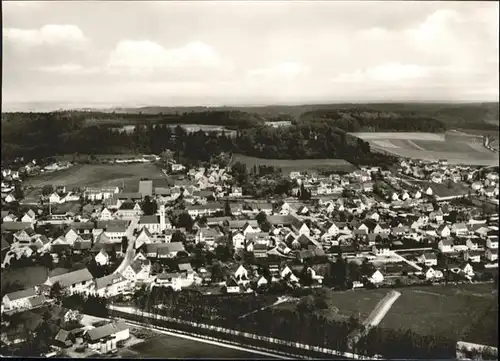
375,317
401,258
130,254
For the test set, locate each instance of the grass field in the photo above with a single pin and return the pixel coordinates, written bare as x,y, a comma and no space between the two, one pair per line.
467,312
171,347
442,189
288,165
430,146
26,276
93,175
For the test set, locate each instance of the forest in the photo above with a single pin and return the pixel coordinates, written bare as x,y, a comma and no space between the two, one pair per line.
39,135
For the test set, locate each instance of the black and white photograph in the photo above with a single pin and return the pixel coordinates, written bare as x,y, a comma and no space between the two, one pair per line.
250,179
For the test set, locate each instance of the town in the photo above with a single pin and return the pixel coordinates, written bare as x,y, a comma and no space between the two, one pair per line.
417,223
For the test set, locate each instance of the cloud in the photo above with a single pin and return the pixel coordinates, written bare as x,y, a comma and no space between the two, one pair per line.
136,57
47,35
69,69
281,70
386,73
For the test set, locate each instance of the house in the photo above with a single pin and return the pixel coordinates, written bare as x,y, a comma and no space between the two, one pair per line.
492,242
287,273
376,278
232,286
29,217
300,227
262,281
176,280
105,338
491,254
446,246
429,259
74,282
260,250
443,231
9,198
472,244
472,256
207,235
241,275
9,217
238,241
164,250
432,274
129,209
102,258
19,299
381,250
460,229
105,215
151,223
138,270
111,285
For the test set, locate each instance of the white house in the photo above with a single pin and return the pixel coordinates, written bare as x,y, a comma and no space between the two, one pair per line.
238,241
102,258
241,275
106,215
492,242
74,282
151,223
262,281
288,273
106,337
19,299
443,231
446,246
432,274
111,285
232,286
138,270
492,254
429,259
377,277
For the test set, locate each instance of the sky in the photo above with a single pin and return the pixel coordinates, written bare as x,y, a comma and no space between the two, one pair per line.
99,53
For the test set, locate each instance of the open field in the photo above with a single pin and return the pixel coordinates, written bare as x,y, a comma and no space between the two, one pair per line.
467,312
430,146
166,346
442,189
342,305
288,165
26,276
93,175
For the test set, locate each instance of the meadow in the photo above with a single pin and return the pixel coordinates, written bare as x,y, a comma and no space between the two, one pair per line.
430,146
465,312
287,165
167,346
96,175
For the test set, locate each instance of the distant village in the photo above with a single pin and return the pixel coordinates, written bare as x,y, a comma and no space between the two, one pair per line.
421,222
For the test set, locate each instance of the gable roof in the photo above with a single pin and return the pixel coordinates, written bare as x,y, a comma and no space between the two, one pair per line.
106,281
149,220
106,330
29,292
71,278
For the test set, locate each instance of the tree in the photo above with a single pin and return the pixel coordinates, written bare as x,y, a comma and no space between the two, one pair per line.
222,253
217,273
56,290
124,244
47,190
261,218
185,221
178,236
149,207
227,208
